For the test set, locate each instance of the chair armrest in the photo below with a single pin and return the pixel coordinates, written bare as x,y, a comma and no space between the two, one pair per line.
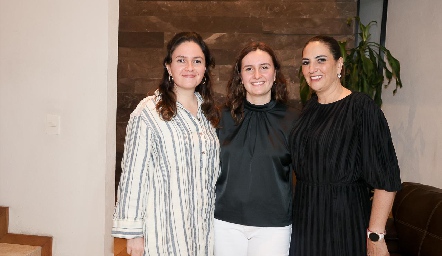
391,237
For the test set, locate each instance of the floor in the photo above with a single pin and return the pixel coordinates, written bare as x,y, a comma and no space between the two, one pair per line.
120,247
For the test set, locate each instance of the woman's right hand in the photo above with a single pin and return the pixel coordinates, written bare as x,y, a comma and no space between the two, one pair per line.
135,246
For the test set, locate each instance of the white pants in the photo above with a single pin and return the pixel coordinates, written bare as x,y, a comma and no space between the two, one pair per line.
239,240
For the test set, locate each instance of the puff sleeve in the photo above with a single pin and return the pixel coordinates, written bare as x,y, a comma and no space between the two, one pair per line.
379,162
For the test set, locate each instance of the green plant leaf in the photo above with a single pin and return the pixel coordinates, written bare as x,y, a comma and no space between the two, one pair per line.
304,88
367,65
395,69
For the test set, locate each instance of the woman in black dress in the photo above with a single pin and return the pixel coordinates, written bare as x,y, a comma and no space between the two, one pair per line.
341,148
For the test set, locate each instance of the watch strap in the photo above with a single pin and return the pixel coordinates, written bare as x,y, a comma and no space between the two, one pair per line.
374,236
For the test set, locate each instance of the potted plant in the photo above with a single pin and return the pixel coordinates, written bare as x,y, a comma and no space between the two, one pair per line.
365,69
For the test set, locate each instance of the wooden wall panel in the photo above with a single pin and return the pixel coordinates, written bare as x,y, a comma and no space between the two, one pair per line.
145,27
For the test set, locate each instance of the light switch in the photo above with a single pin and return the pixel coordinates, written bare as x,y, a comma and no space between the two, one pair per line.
52,124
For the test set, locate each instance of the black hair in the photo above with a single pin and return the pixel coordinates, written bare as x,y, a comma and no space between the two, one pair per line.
330,42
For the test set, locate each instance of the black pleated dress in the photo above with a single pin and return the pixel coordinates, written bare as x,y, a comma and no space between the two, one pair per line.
340,151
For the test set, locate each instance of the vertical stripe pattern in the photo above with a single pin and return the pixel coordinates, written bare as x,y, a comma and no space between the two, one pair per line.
167,188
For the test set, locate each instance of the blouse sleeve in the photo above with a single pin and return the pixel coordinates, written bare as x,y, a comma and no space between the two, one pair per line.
379,162
130,208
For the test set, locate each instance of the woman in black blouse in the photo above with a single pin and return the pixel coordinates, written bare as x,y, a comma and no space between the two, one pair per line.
253,209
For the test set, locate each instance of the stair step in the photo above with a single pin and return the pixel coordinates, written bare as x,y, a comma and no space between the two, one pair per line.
4,220
45,242
19,250
20,241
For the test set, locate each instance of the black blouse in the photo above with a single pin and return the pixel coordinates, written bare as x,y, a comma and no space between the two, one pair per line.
255,185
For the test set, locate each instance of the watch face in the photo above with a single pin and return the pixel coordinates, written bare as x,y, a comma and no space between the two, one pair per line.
373,237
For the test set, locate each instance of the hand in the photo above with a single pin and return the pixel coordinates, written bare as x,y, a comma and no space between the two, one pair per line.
135,246
378,248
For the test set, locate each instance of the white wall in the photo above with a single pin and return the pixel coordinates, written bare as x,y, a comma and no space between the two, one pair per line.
414,36
59,57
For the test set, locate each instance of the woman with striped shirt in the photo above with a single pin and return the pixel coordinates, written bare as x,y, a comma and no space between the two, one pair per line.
170,164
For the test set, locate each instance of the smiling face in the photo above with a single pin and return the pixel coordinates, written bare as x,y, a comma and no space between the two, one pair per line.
187,66
319,67
258,74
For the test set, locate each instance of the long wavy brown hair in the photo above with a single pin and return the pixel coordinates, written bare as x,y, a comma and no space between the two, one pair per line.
236,93
166,106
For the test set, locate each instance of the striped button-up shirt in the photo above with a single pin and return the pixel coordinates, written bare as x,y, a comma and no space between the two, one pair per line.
167,187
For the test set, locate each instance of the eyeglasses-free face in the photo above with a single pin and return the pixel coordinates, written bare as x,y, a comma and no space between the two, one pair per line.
187,66
319,67
258,74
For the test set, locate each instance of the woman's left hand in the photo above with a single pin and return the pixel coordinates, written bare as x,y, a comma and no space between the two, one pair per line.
378,248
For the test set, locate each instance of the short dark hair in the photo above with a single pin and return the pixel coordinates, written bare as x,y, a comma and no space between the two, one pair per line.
166,106
236,93
331,43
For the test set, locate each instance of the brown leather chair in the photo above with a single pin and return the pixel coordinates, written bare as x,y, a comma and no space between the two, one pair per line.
416,226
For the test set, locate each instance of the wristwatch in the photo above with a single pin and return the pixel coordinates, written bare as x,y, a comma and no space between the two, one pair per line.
373,236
